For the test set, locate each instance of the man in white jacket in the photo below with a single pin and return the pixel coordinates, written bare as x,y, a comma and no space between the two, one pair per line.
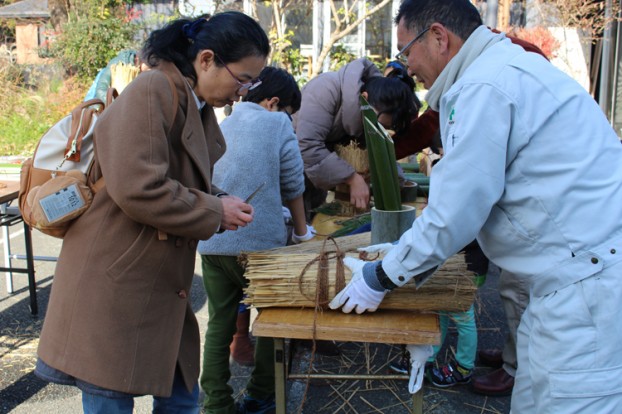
533,170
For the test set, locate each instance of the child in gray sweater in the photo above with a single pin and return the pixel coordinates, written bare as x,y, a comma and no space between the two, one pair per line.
262,151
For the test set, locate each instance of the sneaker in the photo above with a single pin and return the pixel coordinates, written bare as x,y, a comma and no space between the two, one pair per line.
401,365
448,375
250,405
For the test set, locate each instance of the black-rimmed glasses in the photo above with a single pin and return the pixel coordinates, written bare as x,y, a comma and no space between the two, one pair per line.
402,56
241,85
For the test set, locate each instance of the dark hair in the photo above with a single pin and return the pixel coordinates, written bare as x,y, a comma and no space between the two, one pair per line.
231,35
459,16
399,71
392,96
276,82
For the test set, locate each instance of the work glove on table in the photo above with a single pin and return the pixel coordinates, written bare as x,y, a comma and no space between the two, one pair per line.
363,292
305,237
419,354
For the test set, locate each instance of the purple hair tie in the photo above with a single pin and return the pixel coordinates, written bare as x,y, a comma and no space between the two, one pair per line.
191,30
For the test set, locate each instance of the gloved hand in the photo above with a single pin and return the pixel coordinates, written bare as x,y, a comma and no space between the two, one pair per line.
305,237
382,248
419,354
357,294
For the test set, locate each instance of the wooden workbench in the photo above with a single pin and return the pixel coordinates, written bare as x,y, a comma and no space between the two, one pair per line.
383,326
9,191
10,216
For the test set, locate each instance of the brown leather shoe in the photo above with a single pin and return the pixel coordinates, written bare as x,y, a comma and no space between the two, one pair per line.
241,348
495,384
490,357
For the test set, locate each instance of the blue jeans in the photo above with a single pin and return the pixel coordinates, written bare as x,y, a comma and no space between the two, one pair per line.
180,402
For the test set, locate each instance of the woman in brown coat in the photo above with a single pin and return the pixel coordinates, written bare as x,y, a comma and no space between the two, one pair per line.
119,322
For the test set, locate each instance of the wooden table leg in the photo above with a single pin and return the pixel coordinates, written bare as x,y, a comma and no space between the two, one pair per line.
418,402
30,266
280,379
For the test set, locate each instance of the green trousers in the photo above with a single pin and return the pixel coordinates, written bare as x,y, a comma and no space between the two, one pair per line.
224,280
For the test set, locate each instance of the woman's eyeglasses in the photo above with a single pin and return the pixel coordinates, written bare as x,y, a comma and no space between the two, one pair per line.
241,85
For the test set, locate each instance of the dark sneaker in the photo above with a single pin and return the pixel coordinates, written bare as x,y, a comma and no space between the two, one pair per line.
250,405
448,375
401,365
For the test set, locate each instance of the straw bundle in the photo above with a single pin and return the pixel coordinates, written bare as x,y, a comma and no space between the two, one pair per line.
121,75
358,159
355,156
288,277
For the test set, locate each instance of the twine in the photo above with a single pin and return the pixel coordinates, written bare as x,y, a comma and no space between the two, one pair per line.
321,296
322,284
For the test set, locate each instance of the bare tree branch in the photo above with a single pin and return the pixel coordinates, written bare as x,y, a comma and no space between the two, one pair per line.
339,34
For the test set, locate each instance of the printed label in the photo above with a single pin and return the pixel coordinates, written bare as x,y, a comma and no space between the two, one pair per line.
61,203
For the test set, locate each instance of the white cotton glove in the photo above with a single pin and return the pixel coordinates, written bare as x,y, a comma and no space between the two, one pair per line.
306,237
382,248
419,354
287,215
357,294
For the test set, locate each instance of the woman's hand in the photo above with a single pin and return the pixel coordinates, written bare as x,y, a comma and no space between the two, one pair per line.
359,191
235,213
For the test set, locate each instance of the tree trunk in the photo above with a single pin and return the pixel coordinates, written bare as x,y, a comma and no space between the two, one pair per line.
59,10
490,19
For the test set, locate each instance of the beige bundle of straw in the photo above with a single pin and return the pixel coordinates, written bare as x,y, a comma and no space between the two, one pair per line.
358,159
355,156
121,75
301,276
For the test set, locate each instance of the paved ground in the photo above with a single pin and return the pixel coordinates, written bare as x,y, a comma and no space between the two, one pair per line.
21,392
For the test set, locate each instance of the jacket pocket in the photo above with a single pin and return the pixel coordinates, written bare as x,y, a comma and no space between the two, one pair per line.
141,258
593,382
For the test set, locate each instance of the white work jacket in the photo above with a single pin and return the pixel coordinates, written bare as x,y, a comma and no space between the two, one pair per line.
532,169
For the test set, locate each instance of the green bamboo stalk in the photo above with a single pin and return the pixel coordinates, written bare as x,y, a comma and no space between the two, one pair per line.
382,161
395,187
367,110
372,154
370,116
381,168
376,187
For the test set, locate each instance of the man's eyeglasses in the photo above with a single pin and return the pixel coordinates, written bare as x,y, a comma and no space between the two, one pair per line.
402,56
241,85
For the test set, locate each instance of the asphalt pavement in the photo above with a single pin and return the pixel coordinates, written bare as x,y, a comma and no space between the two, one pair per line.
23,393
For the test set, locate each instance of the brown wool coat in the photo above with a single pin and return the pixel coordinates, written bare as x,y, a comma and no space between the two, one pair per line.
119,314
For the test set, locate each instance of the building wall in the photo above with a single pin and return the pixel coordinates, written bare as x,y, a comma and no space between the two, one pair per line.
27,42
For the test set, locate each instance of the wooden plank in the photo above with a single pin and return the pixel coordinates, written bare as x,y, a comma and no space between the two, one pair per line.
8,190
383,326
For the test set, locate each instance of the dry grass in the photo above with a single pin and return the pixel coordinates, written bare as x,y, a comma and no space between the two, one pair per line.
288,277
27,112
18,345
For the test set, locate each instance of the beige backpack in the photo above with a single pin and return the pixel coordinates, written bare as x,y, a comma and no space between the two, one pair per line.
54,188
